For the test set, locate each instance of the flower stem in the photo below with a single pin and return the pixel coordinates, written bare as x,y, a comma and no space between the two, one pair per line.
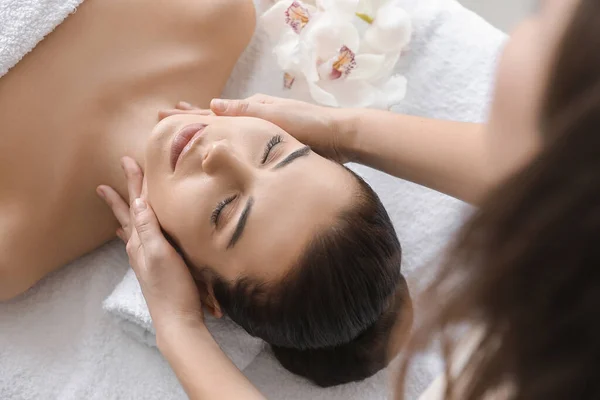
365,18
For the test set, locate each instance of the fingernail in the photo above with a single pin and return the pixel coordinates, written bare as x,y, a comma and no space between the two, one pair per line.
185,104
139,205
100,192
218,105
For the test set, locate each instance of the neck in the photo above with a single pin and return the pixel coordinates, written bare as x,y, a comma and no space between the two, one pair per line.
127,137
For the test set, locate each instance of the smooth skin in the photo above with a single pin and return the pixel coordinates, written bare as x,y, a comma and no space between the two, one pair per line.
370,137
88,95
460,159
246,193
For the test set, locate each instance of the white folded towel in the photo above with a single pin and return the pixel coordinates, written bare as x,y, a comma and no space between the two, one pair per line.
127,303
24,23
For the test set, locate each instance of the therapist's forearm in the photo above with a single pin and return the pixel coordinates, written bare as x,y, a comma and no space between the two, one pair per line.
204,371
446,156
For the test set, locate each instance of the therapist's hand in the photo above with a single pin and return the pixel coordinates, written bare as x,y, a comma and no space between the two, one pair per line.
204,371
167,284
319,127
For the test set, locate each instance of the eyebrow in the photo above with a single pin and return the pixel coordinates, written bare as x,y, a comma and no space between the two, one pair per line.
302,152
239,229
241,224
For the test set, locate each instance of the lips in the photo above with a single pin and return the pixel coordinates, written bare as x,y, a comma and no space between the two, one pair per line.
183,141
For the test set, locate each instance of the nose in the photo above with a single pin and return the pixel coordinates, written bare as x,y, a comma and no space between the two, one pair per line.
223,160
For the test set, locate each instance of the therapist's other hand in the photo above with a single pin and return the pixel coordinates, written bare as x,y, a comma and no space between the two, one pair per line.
317,126
167,284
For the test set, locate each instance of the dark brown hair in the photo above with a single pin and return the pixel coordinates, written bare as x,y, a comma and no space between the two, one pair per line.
359,358
526,267
330,318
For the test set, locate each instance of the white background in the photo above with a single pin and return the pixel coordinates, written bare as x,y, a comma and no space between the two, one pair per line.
504,14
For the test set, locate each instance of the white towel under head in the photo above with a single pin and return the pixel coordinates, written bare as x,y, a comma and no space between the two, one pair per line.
127,303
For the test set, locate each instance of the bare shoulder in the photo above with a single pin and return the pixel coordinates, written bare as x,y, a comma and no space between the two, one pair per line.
218,26
227,11
12,278
234,20
229,17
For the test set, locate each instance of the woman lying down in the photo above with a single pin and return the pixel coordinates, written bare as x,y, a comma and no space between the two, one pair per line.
292,246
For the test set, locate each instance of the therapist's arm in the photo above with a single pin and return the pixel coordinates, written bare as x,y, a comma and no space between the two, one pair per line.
203,369
446,156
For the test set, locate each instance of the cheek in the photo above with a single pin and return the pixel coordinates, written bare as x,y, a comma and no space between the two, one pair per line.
154,170
181,209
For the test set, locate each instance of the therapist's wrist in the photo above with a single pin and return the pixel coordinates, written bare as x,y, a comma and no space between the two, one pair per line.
346,133
172,334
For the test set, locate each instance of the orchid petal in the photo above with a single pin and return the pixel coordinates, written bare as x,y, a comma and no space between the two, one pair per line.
273,20
337,59
322,40
370,7
394,90
391,29
321,96
308,62
387,68
365,7
338,66
347,93
328,34
300,90
345,8
297,16
288,80
287,51
368,66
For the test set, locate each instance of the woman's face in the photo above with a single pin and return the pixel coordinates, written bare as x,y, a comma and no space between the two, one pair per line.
244,197
521,82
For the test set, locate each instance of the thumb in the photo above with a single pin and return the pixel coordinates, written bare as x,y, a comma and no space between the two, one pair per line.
148,228
237,108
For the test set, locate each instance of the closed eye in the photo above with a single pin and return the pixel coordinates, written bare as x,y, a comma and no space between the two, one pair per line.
214,217
275,140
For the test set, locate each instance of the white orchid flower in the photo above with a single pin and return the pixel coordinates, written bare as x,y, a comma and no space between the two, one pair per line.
319,48
391,27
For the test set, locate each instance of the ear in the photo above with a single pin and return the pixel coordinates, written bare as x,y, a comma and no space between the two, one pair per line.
207,294
211,304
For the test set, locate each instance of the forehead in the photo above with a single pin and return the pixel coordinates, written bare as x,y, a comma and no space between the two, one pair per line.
247,123
291,207
225,125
